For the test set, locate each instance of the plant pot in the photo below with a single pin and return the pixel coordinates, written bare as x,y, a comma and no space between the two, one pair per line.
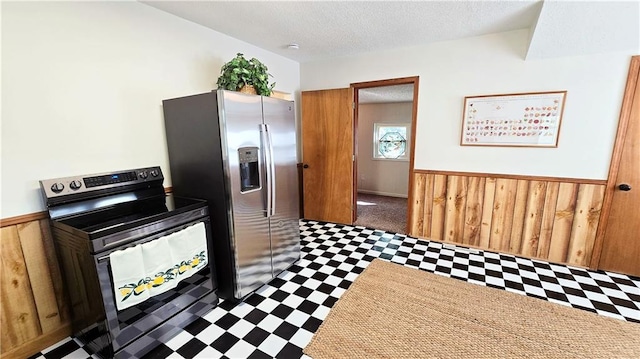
248,89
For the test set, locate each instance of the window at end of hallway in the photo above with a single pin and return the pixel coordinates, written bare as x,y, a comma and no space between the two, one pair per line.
390,141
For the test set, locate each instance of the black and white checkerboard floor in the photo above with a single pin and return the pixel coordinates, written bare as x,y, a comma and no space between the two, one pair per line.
282,316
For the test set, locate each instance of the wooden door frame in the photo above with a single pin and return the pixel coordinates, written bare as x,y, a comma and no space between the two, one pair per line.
415,80
623,124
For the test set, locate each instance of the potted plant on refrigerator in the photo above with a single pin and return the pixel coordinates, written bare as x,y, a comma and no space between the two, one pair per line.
248,76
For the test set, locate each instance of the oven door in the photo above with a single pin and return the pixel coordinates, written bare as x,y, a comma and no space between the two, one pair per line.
130,323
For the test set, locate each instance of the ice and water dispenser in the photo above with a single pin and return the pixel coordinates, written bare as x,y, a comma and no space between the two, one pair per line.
249,173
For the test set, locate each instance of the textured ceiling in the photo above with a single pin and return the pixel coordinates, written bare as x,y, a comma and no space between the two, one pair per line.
396,93
329,29
326,29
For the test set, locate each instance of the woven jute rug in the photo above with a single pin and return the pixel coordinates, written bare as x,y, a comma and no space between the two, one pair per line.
392,311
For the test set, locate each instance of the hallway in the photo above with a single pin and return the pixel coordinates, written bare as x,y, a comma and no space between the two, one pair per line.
382,212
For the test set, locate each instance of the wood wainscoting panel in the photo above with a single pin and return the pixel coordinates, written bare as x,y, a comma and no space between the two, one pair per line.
585,224
487,211
427,213
504,201
546,225
34,307
455,208
531,221
473,211
417,216
439,203
19,320
549,218
39,276
521,206
563,221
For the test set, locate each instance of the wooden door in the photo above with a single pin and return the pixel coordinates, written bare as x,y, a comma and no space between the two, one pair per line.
621,243
327,155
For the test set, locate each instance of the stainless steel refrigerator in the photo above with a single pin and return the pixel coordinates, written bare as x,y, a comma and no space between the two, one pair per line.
238,152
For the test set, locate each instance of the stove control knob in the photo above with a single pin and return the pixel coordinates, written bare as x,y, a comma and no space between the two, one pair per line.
57,187
75,185
154,173
143,174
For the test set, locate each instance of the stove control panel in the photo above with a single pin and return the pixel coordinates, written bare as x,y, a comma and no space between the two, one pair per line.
111,178
58,187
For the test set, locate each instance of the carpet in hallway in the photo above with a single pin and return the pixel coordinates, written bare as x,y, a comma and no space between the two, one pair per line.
382,212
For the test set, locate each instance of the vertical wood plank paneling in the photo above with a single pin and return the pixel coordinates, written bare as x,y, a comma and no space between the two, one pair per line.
548,215
428,205
54,269
455,205
417,214
450,208
473,211
563,222
597,202
44,295
439,203
534,217
503,213
533,222
487,212
519,211
19,320
585,224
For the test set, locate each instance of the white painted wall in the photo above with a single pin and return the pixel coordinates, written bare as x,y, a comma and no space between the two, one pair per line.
83,84
494,64
382,176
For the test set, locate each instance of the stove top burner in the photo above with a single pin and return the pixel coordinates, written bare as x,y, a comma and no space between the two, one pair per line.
118,217
117,207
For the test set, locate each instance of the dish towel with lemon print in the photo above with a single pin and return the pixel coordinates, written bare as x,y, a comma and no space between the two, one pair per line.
152,268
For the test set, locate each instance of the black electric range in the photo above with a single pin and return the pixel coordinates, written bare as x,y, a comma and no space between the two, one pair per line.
93,216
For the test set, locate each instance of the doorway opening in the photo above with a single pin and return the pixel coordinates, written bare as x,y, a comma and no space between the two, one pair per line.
381,212
384,135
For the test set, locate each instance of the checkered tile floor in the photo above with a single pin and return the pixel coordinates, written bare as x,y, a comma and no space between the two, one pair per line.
281,317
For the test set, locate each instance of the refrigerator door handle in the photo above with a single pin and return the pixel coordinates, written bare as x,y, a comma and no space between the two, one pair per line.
272,172
267,158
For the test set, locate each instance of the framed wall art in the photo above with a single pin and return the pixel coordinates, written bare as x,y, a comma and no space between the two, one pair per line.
520,120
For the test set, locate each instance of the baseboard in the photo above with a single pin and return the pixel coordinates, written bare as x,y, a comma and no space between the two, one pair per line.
38,344
399,195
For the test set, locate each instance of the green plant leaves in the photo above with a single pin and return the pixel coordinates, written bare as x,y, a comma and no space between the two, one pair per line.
240,71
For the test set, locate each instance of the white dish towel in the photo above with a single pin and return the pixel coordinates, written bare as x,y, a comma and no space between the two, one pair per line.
158,266
189,249
152,268
127,269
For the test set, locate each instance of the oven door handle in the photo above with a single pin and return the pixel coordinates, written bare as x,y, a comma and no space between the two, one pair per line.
111,244
100,259
105,257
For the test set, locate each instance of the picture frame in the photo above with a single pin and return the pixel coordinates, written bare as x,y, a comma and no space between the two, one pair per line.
513,120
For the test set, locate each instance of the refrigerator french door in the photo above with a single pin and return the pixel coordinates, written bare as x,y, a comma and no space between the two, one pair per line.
238,151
